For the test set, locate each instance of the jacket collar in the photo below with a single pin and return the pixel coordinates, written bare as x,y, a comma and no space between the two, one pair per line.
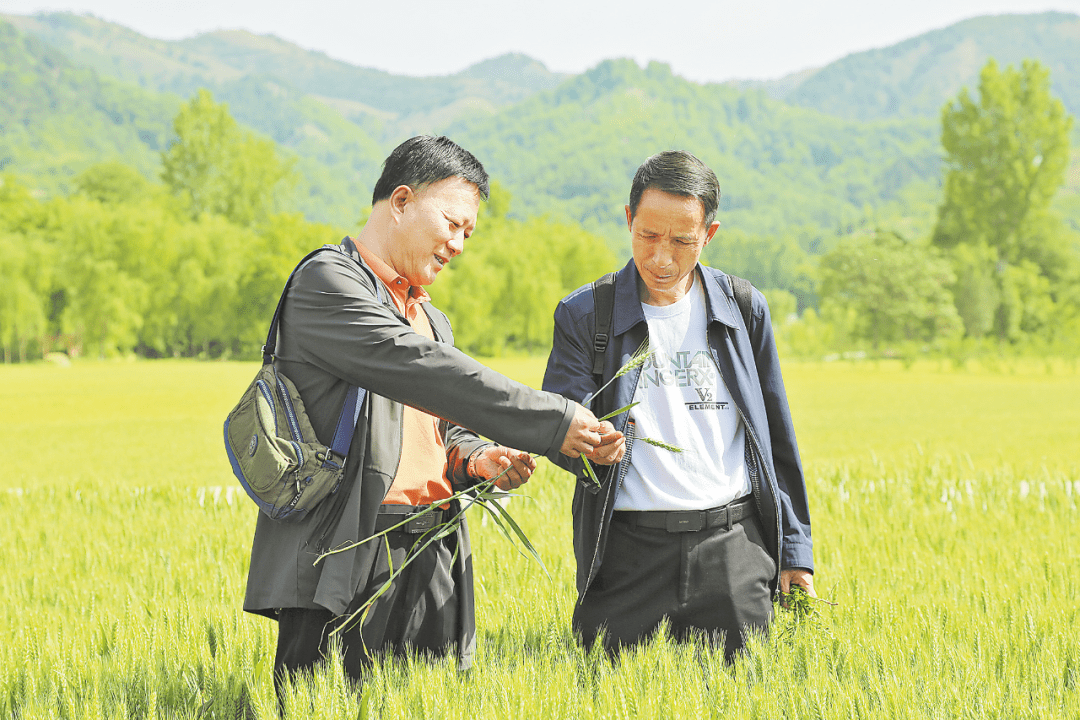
628,313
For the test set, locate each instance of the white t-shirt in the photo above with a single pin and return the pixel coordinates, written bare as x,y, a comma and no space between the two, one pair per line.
684,402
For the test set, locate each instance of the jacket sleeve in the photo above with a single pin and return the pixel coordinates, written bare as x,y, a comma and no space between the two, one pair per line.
340,326
798,549
569,373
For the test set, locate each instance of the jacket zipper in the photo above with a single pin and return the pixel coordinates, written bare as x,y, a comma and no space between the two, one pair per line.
755,477
623,468
334,516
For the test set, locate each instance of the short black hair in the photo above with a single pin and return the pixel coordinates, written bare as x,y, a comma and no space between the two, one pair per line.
425,159
679,173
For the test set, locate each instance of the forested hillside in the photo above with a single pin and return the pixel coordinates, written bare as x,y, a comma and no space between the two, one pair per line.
217,58
57,118
781,168
154,193
566,146
916,77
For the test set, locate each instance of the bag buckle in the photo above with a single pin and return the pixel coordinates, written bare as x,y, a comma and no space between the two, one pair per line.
684,521
600,341
330,459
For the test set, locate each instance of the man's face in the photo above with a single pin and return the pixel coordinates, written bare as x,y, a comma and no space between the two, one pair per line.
668,234
432,226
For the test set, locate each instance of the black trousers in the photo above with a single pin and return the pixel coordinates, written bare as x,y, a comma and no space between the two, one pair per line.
713,582
419,613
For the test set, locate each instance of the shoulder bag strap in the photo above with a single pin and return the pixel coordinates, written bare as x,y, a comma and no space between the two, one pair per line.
354,399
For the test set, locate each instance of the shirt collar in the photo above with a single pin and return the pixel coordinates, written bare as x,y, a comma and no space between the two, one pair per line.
627,311
395,283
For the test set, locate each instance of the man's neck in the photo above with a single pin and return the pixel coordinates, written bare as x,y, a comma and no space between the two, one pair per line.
375,235
670,297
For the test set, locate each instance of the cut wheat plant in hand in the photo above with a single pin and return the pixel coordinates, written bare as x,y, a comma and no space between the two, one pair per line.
639,358
486,495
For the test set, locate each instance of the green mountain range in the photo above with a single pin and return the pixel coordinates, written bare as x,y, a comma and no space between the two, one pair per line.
610,118
57,118
915,78
817,154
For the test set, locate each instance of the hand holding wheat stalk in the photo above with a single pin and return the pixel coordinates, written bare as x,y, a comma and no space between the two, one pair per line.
639,358
485,494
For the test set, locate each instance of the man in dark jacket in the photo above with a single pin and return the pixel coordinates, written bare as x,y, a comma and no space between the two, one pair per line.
702,534
357,315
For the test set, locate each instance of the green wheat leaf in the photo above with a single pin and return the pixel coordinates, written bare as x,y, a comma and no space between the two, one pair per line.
618,412
496,510
589,471
640,356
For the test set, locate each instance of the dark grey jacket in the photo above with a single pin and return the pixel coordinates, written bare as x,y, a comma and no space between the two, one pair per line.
334,332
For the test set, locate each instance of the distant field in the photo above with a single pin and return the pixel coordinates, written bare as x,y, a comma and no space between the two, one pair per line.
946,528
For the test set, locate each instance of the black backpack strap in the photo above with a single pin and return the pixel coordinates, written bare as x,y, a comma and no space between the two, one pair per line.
604,302
744,297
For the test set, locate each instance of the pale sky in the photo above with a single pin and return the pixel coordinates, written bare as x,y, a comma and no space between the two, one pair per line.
721,40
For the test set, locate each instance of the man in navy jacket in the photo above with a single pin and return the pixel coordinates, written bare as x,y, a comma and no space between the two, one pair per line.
703,536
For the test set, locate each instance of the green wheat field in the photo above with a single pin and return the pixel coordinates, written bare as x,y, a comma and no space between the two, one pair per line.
946,527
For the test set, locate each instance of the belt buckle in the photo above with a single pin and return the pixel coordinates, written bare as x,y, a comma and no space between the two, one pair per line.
684,521
421,523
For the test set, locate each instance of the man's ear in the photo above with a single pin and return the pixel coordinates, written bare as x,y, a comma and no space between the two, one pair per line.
629,218
399,198
710,231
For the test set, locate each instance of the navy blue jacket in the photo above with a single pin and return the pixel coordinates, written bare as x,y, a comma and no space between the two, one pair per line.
750,370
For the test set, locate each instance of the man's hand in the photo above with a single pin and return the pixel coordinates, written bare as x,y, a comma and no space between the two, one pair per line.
612,446
797,576
494,460
583,435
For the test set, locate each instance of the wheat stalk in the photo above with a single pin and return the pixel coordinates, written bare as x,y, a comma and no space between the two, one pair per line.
639,358
484,494
660,444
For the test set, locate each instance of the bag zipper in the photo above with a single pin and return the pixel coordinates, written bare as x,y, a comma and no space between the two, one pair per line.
268,396
290,413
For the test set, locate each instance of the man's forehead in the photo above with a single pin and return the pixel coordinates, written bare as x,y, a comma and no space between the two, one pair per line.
668,211
453,185
688,204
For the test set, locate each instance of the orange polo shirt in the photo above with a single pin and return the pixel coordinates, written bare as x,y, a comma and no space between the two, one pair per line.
421,474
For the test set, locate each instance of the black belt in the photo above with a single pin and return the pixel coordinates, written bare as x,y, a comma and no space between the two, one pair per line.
687,520
417,520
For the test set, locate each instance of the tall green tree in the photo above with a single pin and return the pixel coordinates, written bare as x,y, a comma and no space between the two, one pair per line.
217,167
105,294
112,182
1006,153
26,270
889,290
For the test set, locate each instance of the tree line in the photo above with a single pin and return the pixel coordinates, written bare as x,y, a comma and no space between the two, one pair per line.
190,264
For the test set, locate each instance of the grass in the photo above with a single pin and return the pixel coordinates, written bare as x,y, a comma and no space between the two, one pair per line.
945,522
